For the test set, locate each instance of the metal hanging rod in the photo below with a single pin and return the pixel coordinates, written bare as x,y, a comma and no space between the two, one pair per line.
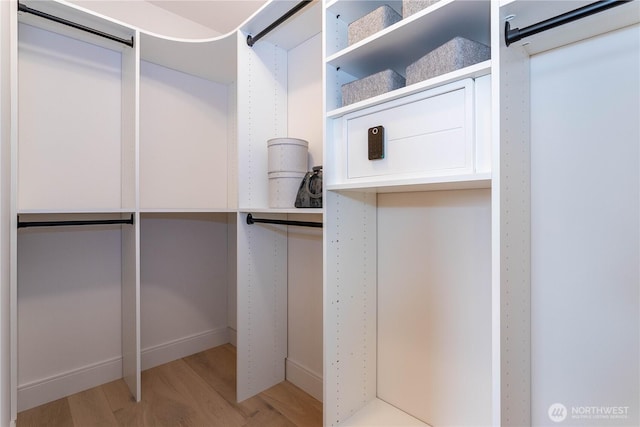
27,9
252,220
512,35
252,39
69,223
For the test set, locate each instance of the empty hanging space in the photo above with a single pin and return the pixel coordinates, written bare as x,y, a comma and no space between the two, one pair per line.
73,138
186,271
585,232
70,287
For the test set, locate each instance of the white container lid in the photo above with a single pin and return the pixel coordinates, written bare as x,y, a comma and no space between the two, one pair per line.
286,174
288,141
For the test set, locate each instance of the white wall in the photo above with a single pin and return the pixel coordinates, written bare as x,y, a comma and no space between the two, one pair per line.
434,305
183,285
304,359
68,309
585,231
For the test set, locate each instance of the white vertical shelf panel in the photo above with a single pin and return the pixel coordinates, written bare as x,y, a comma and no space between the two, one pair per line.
232,147
131,233
70,121
434,305
131,307
6,204
262,106
349,304
13,263
232,277
130,126
262,306
511,205
183,140
585,226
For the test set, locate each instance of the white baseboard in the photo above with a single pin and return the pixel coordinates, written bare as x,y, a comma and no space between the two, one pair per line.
61,385
57,386
300,376
173,350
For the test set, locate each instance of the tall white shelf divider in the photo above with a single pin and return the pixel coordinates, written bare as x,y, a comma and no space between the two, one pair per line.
264,74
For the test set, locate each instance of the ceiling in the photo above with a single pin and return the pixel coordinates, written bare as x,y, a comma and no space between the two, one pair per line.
222,16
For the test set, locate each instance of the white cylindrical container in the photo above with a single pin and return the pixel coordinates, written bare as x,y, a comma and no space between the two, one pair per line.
287,155
283,188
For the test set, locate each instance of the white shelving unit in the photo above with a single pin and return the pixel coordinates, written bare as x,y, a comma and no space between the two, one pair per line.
443,291
395,319
171,132
401,323
277,78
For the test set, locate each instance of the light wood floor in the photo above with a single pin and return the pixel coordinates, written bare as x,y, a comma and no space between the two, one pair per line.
198,390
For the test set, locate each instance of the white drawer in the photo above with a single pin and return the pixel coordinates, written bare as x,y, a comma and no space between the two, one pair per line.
426,134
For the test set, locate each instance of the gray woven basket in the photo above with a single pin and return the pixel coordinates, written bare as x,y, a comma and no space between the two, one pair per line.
370,86
371,23
453,55
409,7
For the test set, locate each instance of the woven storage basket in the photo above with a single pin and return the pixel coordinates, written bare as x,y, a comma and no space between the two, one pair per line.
370,86
371,23
409,7
455,54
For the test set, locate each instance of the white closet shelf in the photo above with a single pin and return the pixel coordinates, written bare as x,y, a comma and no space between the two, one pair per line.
352,10
473,71
525,13
453,182
282,210
196,57
380,413
72,211
401,44
180,210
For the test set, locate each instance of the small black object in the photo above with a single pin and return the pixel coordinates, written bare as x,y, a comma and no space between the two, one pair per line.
251,220
376,142
310,190
251,40
74,223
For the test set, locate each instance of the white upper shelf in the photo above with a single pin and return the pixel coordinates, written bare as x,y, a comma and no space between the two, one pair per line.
406,41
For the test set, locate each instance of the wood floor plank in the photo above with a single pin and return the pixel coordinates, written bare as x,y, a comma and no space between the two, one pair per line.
293,403
199,390
52,414
179,386
126,410
91,408
218,367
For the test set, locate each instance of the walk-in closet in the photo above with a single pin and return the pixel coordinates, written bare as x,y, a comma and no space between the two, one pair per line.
475,258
